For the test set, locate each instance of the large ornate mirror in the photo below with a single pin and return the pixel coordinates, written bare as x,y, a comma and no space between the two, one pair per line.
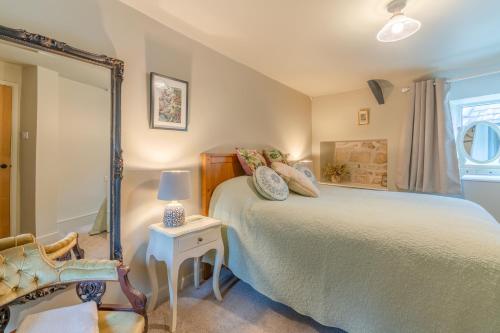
481,142
60,156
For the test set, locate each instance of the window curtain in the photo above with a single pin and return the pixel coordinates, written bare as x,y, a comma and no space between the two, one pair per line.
427,159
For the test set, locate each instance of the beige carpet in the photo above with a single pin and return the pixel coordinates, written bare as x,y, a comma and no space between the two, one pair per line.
243,310
96,246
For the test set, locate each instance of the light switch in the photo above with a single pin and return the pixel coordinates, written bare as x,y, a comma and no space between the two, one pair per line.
25,135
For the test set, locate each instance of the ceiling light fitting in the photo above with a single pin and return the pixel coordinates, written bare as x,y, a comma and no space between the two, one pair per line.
399,26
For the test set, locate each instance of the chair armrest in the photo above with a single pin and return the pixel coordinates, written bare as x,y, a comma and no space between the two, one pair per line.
63,246
89,270
136,298
9,242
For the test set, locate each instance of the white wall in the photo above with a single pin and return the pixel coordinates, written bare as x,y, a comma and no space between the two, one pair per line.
487,194
27,157
47,155
334,118
84,121
66,157
229,104
10,72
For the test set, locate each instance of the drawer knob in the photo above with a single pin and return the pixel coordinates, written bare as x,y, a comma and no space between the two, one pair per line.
200,239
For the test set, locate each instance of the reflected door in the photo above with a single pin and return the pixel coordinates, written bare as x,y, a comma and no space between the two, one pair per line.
5,158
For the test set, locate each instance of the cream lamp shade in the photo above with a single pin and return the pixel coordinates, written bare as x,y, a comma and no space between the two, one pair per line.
174,185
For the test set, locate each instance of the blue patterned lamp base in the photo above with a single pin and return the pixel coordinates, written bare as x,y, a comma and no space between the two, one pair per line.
174,215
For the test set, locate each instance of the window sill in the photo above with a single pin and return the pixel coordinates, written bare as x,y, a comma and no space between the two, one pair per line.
481,178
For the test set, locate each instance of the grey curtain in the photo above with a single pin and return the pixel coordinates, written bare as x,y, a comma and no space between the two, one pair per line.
427,159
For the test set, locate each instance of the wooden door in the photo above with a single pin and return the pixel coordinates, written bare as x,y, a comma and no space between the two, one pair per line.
5,158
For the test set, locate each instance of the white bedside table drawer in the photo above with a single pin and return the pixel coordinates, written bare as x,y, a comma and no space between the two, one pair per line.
196,239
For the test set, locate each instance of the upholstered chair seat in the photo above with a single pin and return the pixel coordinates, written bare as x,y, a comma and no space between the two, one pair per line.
120,322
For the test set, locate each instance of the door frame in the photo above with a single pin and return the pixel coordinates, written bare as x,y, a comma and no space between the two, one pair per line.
14,156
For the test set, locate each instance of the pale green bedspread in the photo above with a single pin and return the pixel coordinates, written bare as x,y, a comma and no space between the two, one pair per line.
367,261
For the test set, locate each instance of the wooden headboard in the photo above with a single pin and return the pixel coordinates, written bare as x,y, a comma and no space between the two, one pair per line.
216,168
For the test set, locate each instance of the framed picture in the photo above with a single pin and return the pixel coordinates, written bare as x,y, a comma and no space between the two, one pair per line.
364,117
168,107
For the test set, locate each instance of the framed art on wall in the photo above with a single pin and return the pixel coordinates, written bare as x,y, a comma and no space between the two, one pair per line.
364,117
168,102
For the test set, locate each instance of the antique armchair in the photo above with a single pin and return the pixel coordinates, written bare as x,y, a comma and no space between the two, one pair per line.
27,271
59,250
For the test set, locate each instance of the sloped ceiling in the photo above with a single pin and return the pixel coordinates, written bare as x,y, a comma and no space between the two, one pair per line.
321,47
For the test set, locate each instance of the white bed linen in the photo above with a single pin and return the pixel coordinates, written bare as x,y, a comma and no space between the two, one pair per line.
367,261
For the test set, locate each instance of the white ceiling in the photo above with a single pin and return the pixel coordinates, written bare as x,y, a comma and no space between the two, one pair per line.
327,46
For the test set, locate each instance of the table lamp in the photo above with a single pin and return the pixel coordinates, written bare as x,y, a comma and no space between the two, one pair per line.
174,185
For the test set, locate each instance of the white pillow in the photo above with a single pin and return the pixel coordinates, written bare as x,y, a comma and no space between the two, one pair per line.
269,184
306,171
81,318
296,180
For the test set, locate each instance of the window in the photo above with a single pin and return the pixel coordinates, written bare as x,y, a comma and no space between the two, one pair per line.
476,123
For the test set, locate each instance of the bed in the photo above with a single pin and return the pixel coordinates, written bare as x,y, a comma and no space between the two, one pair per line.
361,260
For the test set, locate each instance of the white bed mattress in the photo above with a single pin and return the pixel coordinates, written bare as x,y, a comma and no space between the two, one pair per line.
367,261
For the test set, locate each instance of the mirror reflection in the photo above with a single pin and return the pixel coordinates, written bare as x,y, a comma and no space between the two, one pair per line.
481,142
55,115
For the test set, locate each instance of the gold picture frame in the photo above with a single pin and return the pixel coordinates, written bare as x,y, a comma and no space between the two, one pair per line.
364,116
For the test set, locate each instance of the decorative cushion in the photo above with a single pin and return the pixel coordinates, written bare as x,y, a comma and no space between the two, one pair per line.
269,184
297,181
250,160
306,171
274,155
81,318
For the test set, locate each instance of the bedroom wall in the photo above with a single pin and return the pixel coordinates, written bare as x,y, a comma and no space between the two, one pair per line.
47,138
229,105
334,118
484,193
27,149
84,115
59,125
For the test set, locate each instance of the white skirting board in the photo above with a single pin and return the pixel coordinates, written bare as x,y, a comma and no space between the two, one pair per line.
81,224
49,238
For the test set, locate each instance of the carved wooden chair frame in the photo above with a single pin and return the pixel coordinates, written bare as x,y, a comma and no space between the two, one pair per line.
86,291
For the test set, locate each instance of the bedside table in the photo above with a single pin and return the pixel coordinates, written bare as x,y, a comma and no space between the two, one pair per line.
173,246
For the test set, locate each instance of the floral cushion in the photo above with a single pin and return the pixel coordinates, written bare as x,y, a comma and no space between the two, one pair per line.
306,171
274,155
269,184
250,160
296,180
